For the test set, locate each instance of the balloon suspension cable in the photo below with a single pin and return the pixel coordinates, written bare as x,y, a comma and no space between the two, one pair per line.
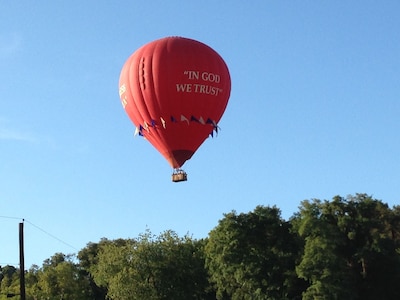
179,175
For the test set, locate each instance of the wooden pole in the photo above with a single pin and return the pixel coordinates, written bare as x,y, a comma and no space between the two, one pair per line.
21,262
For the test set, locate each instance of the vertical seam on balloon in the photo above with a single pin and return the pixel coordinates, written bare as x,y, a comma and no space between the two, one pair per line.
144,112
132,69
157,136
141,74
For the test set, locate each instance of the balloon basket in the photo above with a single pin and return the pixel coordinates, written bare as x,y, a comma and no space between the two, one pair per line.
179,175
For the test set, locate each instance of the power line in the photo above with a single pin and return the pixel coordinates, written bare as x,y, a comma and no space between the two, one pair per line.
51,235
41,229
8,217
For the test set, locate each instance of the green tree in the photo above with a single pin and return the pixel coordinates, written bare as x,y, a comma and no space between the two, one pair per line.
252,256
321,264
351,251
9,281
60,278
163,267
111,263
88,257
369,225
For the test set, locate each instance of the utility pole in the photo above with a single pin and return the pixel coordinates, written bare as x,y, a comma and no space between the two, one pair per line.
21,261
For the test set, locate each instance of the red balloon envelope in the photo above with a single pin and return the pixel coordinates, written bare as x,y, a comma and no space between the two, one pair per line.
175,91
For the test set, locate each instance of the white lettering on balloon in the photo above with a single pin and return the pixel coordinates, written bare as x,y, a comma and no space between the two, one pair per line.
122,90
204,85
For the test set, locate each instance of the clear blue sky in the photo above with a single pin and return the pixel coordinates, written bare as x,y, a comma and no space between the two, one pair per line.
314,113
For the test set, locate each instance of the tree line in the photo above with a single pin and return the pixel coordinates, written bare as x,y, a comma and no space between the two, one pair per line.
345,248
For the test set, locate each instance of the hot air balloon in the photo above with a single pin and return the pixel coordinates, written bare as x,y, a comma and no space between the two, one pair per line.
175,91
